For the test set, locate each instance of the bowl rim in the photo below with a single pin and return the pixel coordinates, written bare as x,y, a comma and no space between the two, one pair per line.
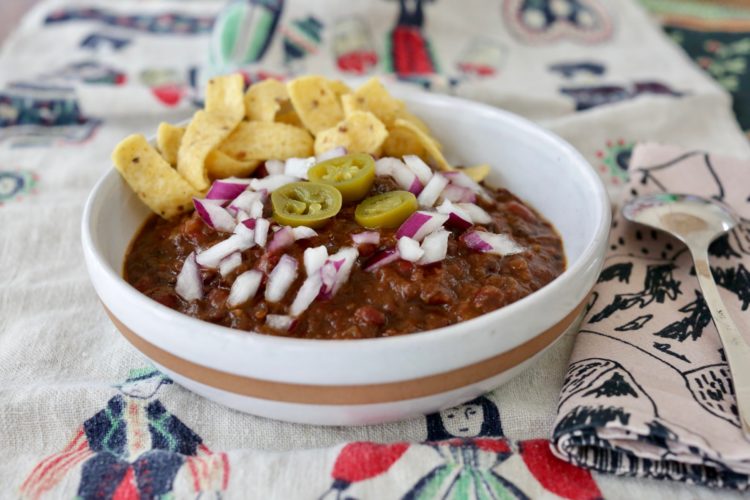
556,286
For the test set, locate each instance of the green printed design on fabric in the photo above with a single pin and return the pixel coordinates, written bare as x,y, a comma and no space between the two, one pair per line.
159,425
115,424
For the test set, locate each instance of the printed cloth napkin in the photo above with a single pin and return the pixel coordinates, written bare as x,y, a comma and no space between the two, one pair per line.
648,391
83,414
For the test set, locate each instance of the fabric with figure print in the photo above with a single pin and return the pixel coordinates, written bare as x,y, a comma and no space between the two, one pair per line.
85,415
648,391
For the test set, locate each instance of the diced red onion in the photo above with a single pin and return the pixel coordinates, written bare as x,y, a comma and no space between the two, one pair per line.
432,190
342,263
214,215
419,167
213,255
478,214
303,232
372,237
307,293
261,231
457,216
384,166
486,242
246,235
280,322
405,178
189,283
435,247
409,249
331,153
420,224
245,287
314,258
275,167
244,201
227,189
256,210
249,223
463,180
281,278
282,239
382,258
456,193
230,263
298,167
271,182
241,216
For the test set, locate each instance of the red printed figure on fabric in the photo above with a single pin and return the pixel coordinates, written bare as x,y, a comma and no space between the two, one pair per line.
133,448
353,47
409,51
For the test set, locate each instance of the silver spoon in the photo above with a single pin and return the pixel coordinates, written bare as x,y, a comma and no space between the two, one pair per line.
697,222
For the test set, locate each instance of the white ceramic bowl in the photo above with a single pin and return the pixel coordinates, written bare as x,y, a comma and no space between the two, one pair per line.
334,382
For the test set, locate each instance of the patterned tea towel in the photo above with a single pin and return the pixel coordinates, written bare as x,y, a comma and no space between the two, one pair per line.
648,391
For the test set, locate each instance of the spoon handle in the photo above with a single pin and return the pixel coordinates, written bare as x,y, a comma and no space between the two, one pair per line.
736,348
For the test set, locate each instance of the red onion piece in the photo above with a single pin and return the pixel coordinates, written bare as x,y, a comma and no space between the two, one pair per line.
384,166
409,249
435,247
244,201
307,293
261,231
405,178
246,235
230,263
432,190
249,223
245,287
314,258
271,182
256,210
420,224
214,215
419,167
303,232
281,278
189,282
298,167
241,216
211,257
280,322
457,217
463,180
341,262
227,189
274,167
282,239
330,154
486,242
372,237
456,193
478,214
457,222
382,258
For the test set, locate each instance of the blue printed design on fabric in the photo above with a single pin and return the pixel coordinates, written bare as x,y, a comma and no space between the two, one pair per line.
169,23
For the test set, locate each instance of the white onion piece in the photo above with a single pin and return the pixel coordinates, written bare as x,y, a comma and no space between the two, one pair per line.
409,249
281,278
307,293
419,167
213,255
261,231
331,153
303,232
478,214
381,259
275,167
432,190
246,235
435,247
456,193
245,201
280,322
395,168
244,288
227,189
420,224
486,242
371,237
271,182
189,283
336,271
256,210
314,258
298,167
214,215
282,239
230,263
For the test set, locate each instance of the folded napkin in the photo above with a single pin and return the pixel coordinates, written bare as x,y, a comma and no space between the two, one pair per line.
648,391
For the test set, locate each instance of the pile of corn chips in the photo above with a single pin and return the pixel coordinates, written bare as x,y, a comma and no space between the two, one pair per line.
237,131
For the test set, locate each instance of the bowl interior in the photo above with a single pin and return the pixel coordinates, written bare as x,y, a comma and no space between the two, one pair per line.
536,166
